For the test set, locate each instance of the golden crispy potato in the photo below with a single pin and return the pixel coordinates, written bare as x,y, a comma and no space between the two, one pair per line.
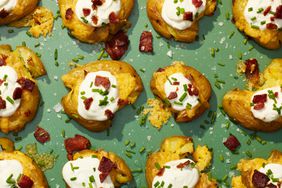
23,8
247,167
270,39
7,145
89,34
236,103
179,147
130,86
154,12
30,168
120,175
29,66
199,81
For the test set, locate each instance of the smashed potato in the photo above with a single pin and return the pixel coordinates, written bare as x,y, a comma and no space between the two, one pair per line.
236,103
28,66
180,147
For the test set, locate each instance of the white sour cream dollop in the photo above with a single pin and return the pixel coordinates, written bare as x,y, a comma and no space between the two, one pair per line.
82,172
178,177
102,12
273,170
183,99
268,112
8,77
254,13
172,12
8,5
9,169
88,89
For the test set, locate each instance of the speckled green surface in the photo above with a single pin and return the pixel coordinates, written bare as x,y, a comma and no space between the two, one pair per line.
214,33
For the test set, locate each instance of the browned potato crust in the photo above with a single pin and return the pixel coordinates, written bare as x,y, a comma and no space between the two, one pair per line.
154,9
200,81
271,39
30,168
89,34
130,86
120,175
236,103
23,8
247,167
27,65
175,148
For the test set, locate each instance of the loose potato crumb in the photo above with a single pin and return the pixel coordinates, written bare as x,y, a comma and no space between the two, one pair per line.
40,22
158,113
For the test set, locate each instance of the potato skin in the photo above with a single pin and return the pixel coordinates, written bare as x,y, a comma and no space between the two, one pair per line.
247,167
28,65
154,9
119,176
23,8
175,148
200,81
30,168
89,34
271,39
236,103
130,86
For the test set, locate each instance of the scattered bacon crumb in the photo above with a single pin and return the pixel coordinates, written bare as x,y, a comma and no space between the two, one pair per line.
25,182
260,98
252,70
75,144
271,26
232,143
278,13
259,179
2,104
160,70
122,102
105,167
1,82
102,81
161,172
259,106
3,60
87,103
17,93
69,14
117,46
146,42
26,84
197,3
175,83
86,11
183,165
41,135
267,10
188,16
192,90
110,115
172,95
113,18
94,19
96,3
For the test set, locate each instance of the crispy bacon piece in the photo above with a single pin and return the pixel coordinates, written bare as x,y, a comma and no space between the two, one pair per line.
105,167
146,42
183,165
87,103
172,95
102,81
188,16
41,135
259,179
3,60
271,26
122,102
117,46
26,84
260,98
160,70
96,3
271,185
259,106
17,94
75,144
1,82
232,143
86,11
3,13
175,83
252,70
94,19
161,172
193,91
25,182
2,104
278,13
110,115
69,14
197,3
113,18
267,10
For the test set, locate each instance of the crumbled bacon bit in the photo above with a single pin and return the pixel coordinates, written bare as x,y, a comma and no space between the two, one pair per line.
94,19
102,81
267,10
183,165
271,26
87,103
160,70
122,102
197,3
260,98
2,104
26,84
110,115
278,13
117,46
175,83
17,93
172,95
272,18
192,90
188,16
86,11
102,177
1,82
69,14
113,18
3,60
76,144
271,185
96,3
252,70
232,143
25,182
3,13
259,179
259,106
161,172
41,135
276,94
105,167
146,42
